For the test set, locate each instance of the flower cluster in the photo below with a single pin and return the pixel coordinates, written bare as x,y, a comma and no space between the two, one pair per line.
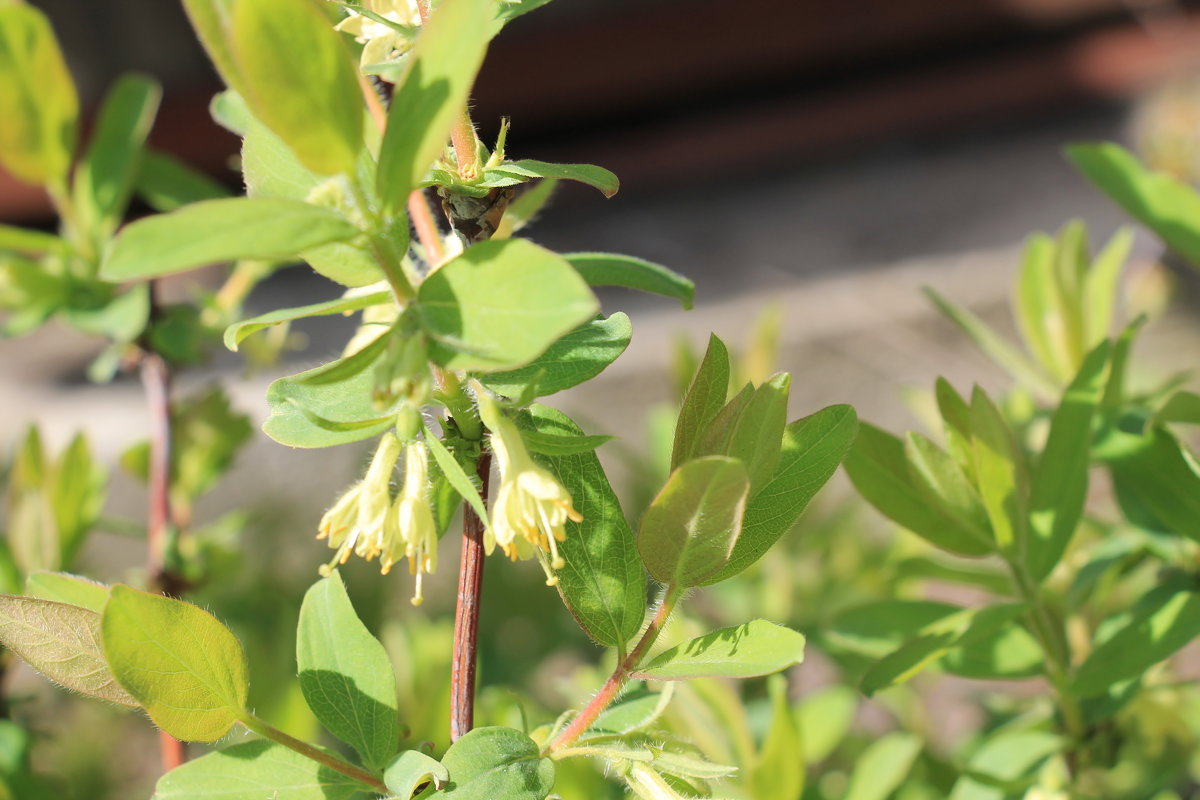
532,508
367,522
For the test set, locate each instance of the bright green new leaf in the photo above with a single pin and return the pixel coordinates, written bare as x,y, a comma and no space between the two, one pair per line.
345,673
30,242
432,93
178,661
63,587
882,767
252,771
611,269
956,419
994,346
1100,287
878,468
62,642
942,481
602,582
1163,622
1006,761
705,397
1058,487
501,304
1038,306
513,172
297,77
1165,205
575,358
688,532
824,718
39,108
813,447
77,494
166,183
330,404
492,763
778,773
238,331
410,769
1183,406
105,177
1000,471
935,640
221,230
753,433
635,711
748,650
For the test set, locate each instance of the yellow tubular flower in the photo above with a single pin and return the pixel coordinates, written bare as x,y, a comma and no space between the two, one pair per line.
355,523
410,531
531,510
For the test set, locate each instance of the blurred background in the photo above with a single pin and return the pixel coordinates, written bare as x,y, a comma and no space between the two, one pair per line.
817,162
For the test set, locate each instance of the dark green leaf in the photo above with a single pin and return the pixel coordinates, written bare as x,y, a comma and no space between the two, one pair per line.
1156,472
813,447
602,583
748,650
1010,654
221,230
688,532
183,666
575,358
520,171
431,94
297,77
611,269
38,103
346,675
63,643
238,331
254,771
500,305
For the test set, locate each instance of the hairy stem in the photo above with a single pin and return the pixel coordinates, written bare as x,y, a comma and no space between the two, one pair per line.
308,751
466,613
616,682
426,227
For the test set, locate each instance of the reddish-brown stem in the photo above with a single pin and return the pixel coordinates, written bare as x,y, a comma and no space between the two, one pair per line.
426,227
174,752
616,682
466,614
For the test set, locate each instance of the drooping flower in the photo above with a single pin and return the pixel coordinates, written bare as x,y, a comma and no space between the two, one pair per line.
529,516
409,529
355,523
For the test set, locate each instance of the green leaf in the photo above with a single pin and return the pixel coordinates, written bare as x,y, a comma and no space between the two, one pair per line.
778,772
1156,472
993,346
410,769
611,269
77,495
166,183
1164,621
297,77
63,587
938,476
705,397
878,468
238,331
688,533
748,650
492,763
431,94
105,178
1037,305
253,771
183,666
575,358
1000,472
62,642
1006,762
30,242
221,230
1058,487
882,767
813,447
520,171
1183,406
211,21
456,475
1168,207
553,444
635,711
876,628
345,674
602,583
39,108
500,305
824,718
330,404
1100,287
1009,654
754,431
963,629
